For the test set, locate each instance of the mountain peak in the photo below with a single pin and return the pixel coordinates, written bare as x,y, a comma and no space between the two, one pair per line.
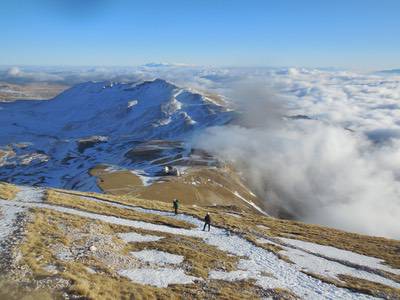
158,83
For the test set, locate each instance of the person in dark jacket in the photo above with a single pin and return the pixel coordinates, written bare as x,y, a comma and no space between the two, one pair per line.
176,206
207,221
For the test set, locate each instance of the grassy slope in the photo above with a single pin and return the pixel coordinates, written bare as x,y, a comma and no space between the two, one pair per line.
105,284
7,191
212,187
382,248
386,249
56,228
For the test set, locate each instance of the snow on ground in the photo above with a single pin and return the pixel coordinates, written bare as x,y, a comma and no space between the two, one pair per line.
250,203
158,257
28,194
266,241
109,119
327,268
158,277
343,255
90,270
146,180
8,217
263,227
255,262
9,214
136,237
233,215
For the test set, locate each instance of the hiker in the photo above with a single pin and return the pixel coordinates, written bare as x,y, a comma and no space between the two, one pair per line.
207,221
176,206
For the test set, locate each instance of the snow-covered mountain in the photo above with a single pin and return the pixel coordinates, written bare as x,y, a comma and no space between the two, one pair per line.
56,142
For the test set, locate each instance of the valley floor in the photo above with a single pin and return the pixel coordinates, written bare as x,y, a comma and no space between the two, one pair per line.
67,244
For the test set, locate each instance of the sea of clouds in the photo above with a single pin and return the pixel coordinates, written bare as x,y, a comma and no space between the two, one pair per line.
324,145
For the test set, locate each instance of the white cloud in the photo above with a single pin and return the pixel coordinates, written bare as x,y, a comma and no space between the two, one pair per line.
318,170
13,72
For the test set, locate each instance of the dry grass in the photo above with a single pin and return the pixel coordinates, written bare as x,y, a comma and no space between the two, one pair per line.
105,284
246,226
77,202
237,290
37,253
118,182
8,191
31,91
361,286
368,287
383,248
10,290
212,187
200,257
203,195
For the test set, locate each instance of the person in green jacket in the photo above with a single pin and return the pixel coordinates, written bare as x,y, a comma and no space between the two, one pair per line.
176,206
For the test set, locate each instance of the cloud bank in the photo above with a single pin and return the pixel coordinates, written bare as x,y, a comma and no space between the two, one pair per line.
318,173
339,168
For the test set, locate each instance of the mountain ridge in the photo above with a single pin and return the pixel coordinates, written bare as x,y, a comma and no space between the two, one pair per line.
122,114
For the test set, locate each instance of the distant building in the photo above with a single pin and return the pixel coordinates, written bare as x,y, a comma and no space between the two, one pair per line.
171,171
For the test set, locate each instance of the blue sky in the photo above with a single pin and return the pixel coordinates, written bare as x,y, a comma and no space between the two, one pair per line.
358,34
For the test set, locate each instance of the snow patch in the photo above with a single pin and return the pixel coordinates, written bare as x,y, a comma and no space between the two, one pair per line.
136,237
158,277
8,216
90,270
266,241
158,257
263,227
340,254
327,268
265,282
28,194
250,203
171,107
233,215
146,180
132,103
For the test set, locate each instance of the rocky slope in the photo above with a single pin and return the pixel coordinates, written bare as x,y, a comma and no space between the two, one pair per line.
73,245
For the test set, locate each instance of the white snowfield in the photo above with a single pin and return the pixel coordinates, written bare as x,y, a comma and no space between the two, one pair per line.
158,257
158,277
250,203
136,237
8,216
339,254
266,241
256,263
